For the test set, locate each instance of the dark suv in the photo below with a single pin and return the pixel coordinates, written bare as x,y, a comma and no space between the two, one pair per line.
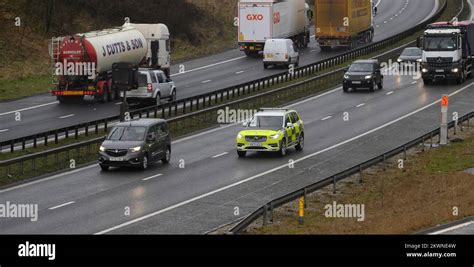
136,143
363,74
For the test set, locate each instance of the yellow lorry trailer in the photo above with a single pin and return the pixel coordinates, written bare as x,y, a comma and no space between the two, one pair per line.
343,23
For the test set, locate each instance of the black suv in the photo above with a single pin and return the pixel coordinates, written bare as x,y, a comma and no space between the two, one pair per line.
136,143
363,74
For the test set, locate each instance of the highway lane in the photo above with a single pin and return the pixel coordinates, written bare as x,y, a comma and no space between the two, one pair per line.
222,70
99,200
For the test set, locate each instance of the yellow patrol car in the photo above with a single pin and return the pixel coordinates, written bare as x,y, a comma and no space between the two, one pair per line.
271,130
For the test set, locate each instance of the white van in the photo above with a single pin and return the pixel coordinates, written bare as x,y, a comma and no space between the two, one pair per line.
280,52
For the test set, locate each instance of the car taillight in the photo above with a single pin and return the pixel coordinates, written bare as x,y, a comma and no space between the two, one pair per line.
286,56
149,88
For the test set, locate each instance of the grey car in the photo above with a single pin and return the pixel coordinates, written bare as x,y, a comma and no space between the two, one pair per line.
410,56
136,143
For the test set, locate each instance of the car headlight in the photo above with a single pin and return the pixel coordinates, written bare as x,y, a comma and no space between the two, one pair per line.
136,149
455,70
346,76
419,60
424,70
276,136
368,77
239,136
102,149
399,60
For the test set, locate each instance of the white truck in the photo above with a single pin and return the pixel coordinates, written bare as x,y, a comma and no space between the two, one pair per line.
448,51
260,20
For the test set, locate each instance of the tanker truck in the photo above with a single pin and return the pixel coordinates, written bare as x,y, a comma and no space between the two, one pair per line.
260,20
345,23
82,63
448,51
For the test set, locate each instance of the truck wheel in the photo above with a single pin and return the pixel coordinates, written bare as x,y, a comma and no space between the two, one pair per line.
241,154
265,66
461,79
105,95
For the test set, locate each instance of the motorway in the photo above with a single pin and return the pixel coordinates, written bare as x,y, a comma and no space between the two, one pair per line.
42,113
90,201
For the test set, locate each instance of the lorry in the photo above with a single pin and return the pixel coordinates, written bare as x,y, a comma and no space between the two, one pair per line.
448,50
343,23
82,63
260,20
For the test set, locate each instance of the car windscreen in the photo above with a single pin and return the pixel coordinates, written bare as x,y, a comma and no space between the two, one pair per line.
127,134
142,80
272,122
440,43
361,67
412,52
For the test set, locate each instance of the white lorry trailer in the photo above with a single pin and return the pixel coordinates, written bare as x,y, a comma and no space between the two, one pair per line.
260,20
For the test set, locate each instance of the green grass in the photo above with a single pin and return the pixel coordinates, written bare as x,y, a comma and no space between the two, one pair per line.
23,87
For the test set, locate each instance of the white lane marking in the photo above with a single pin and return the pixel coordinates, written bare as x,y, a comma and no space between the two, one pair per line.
378,3
206,81
326,118
239,72
274,169
4,130
25,109
62,205
119,103
389,93
67,116
220,155
452,228
414,82
152,177
360,105
385,22
208,66
314,50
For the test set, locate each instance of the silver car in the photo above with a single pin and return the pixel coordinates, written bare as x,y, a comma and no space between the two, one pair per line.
153,86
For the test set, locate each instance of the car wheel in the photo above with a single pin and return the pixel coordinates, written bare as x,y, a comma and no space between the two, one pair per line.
144,162
104,167
167,157
426,81
158,100
372,86
380,85
297,64
345,89
300,145
265,66
283,148
173,96
241,154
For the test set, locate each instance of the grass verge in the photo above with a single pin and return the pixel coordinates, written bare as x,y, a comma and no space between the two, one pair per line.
428,191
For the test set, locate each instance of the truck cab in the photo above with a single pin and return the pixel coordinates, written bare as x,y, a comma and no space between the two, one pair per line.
447,51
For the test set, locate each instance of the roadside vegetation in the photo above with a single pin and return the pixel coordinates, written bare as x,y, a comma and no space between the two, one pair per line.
432,189
198,27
